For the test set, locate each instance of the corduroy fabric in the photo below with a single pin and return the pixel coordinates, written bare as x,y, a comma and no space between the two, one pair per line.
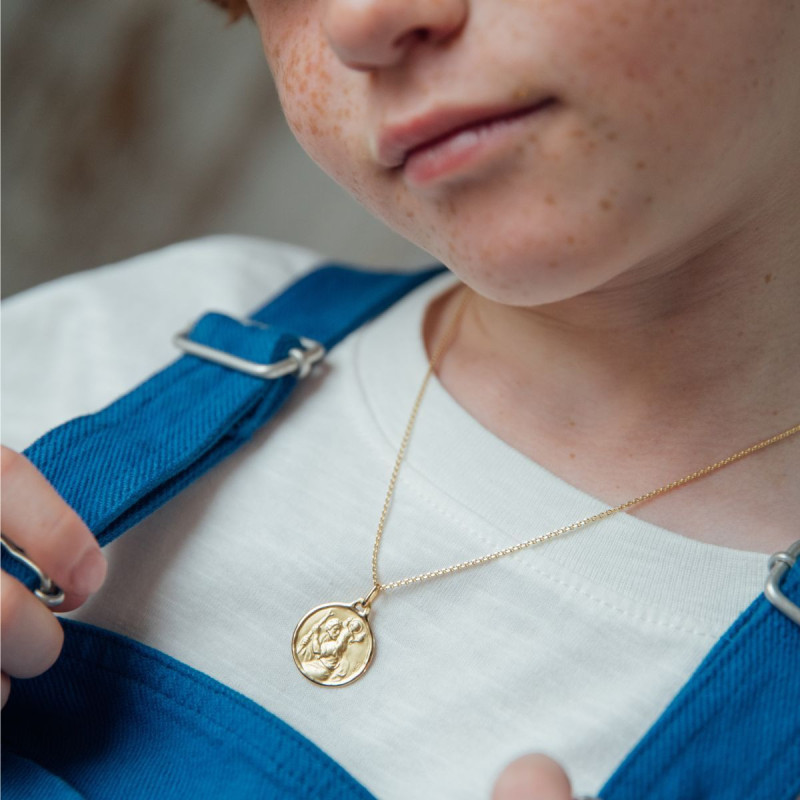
115,720
733,731
119,465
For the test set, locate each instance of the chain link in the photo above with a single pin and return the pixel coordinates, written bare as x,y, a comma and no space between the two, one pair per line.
443,345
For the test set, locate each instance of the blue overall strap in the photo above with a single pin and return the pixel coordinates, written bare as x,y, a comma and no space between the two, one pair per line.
117,466
117,720
733,731
114,718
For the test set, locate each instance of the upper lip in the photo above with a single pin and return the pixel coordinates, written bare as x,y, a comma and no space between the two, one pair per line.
397,141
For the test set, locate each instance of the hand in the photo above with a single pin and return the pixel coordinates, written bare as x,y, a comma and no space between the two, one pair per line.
36,519
533,777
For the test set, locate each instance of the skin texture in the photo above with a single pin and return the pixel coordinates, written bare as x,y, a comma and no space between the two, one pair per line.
633,249
652,96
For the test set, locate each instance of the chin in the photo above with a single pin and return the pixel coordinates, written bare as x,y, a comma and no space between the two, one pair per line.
535,271
532,286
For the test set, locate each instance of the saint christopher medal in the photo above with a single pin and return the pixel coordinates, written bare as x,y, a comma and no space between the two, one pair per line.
332,645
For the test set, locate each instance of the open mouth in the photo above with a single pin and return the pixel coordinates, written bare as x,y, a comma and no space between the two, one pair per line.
475,128
458,144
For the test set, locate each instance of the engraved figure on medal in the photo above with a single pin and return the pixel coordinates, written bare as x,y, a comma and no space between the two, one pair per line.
332,645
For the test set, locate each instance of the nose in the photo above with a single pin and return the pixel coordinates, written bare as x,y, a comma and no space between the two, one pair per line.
375,34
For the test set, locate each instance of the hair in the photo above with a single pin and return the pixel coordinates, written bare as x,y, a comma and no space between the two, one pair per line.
235,8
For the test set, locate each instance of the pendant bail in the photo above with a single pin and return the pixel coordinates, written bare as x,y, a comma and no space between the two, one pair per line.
376,590
366,603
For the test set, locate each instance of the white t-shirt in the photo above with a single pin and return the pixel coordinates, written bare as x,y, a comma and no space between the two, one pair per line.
572,648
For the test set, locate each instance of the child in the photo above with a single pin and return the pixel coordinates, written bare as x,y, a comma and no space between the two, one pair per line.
618,186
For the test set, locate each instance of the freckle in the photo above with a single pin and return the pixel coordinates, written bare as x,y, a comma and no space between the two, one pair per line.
668,148
606,204
572,423
578,133
649,199
589,147
679,73
552,263
549,199
612,137
768,277
571,240
533,138
641,164
572,455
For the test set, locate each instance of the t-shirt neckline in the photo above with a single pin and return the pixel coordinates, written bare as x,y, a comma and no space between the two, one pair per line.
518,499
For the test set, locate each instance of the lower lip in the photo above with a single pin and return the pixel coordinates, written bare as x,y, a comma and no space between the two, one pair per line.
462,150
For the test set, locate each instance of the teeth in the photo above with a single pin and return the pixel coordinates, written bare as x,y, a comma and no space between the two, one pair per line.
459,141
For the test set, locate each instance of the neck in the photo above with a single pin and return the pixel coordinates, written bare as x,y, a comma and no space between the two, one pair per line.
645,379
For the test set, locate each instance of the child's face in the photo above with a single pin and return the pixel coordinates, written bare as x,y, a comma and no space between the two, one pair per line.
673,124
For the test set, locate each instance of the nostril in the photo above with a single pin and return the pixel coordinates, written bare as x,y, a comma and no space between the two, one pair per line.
408,38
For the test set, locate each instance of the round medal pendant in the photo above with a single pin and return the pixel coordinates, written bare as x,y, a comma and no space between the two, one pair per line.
332,645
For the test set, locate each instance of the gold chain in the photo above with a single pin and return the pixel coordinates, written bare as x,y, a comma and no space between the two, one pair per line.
445,342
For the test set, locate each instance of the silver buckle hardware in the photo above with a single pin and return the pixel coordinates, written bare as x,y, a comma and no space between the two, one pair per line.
778,566
298,360
46,591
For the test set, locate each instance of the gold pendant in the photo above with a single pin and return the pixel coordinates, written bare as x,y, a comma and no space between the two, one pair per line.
332,645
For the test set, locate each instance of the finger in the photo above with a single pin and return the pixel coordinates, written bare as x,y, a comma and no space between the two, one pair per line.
533,777
36,519
6,688
30,636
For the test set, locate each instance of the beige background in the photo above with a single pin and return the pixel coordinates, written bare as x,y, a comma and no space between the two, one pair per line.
130,124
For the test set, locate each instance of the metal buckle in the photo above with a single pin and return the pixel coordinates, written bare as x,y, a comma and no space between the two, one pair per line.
778,566
46,591
298,360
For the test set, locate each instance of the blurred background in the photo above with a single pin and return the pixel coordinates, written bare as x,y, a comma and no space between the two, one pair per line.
132,124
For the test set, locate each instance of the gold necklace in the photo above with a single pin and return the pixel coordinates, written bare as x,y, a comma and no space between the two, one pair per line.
333,644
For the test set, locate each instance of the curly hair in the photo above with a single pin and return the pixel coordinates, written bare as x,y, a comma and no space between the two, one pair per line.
235,8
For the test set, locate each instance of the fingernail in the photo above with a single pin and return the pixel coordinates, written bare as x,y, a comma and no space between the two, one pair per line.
89,574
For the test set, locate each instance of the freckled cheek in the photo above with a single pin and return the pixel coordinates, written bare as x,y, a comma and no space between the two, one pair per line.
329,139
319,110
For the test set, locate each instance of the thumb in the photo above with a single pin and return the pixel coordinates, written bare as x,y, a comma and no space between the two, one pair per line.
532,777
